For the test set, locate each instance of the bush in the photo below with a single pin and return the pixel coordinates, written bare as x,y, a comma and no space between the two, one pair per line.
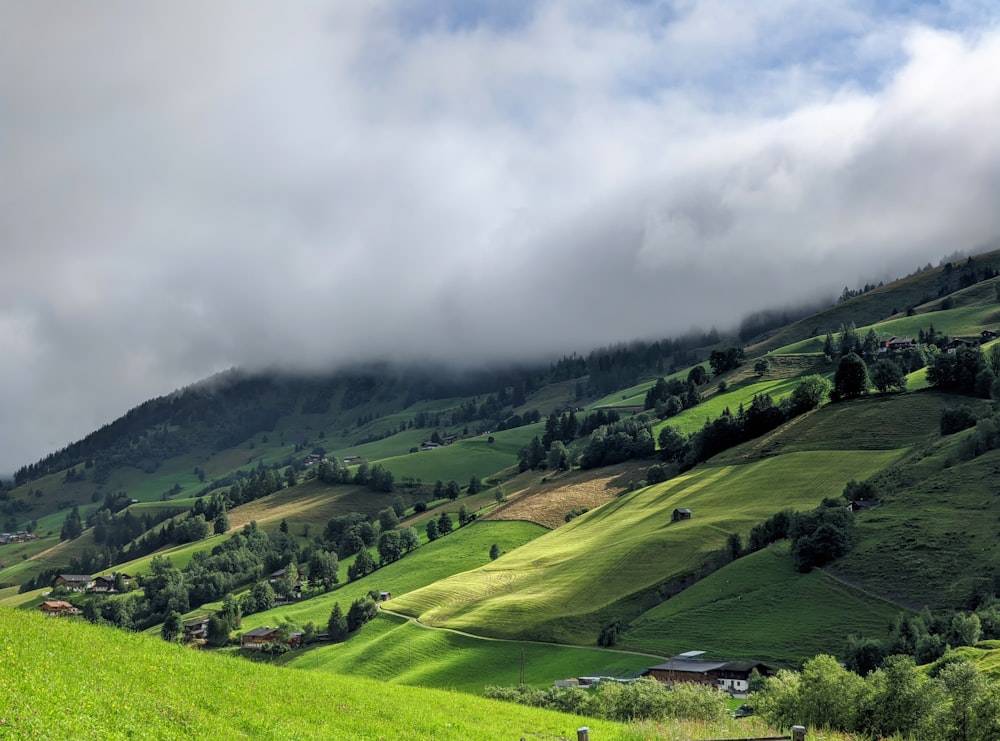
956,419
655,474
362,610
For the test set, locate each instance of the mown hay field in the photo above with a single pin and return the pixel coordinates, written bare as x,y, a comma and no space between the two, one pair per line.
760,608
629,545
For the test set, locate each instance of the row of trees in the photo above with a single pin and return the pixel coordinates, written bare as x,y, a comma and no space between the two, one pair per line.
818,537
728,429
376,477
954,701
641,699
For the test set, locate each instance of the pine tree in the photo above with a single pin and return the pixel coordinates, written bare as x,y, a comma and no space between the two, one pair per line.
336,627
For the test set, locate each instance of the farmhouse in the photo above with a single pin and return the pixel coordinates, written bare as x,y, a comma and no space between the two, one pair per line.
681,513
103,584
897,343
58,608
957,344
75,582
196,628
21,536
727,676
256,638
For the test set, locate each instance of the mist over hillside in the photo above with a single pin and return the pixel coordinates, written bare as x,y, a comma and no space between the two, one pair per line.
312,186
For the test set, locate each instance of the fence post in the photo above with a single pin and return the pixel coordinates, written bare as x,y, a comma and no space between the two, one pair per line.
798,733
583,734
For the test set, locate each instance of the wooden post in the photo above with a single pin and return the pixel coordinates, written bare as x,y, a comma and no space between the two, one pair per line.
583,734
798,733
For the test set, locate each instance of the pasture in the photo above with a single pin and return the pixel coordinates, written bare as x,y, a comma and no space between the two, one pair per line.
90,682
396,650
463,549
760,608
556,587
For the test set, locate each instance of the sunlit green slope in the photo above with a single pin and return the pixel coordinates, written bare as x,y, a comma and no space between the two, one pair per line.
556,587
64,679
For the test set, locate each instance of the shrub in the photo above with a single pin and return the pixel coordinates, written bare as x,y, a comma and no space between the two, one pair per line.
956,419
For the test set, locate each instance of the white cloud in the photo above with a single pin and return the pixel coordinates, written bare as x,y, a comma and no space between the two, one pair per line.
190,186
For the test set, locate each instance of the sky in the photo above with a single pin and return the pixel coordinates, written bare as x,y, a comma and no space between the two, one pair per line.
191,186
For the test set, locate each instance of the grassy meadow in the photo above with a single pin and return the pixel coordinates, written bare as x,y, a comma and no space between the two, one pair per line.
395,649
939,542
556,587
90,682
760,608
465,548
465,458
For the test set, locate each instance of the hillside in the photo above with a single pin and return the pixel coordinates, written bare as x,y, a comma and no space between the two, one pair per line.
88,682
294,464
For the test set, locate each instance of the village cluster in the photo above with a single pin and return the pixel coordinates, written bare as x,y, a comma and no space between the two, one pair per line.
21,536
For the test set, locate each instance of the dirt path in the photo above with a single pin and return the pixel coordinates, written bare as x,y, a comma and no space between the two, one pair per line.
853,584
419,624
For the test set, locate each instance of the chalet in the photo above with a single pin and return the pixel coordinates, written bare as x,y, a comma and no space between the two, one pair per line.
894,344
428,445
622,408
727,676
352,459
106,584
256,638
103,584
958,344
312,459
384,596
989,334
74,582
196,628
277,576
58,608
681,513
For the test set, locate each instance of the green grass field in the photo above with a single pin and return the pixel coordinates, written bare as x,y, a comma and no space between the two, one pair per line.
936,543
693,419
465,458
464,549
89,682
890,422
393,649
759,607
555,587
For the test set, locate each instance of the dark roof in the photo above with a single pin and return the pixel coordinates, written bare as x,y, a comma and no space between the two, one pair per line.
75,577
704,666
683,510
694,666
743,666
260,632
